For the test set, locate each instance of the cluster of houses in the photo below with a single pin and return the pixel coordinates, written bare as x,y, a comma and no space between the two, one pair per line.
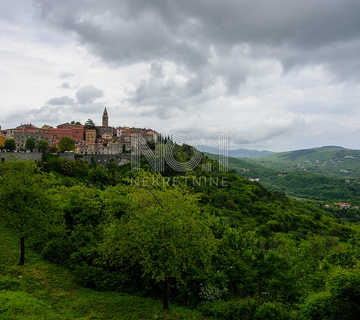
98,140
342,205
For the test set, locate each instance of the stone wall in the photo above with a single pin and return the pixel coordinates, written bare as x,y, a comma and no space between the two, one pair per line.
103,159
11,156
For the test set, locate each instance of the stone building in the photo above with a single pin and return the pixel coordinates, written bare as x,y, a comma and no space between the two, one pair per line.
105,130
21,135
105,119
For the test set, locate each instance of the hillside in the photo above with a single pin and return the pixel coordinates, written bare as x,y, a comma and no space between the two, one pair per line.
247,169
211,241
331,161
297,183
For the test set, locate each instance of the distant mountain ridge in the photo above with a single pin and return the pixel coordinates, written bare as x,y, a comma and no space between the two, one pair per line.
326,173
238,153
332,161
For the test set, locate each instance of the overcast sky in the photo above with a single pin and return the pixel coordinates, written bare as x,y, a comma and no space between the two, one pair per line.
277,75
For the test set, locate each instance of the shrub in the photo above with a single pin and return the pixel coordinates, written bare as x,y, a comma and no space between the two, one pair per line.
271,311
228,310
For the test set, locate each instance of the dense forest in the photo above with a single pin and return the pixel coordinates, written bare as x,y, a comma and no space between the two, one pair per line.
210,241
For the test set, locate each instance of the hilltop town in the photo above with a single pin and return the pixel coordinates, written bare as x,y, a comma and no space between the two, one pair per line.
89,139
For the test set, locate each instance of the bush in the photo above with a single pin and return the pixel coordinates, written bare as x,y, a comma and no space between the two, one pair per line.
57,250
96,277
229,310
271,311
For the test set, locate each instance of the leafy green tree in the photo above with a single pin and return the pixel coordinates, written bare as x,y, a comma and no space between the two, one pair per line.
30,144
10,144
83,207
66,144
99,176
164,231
90,125
123,148
43,145
26,202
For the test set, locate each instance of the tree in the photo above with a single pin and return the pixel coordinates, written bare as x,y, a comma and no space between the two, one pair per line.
123,148
30,144
99,176
164,231
26,203
90,125
10,144
43,145
66,144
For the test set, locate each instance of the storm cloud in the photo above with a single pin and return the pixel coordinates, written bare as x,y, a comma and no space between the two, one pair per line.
197,32
274,74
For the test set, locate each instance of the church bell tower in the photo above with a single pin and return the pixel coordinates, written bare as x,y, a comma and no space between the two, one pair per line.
105,119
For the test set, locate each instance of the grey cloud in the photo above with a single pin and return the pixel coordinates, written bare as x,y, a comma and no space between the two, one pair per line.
88,94
66,85
218,48
66,74
65,100
46,114
186,32
163,95
270,129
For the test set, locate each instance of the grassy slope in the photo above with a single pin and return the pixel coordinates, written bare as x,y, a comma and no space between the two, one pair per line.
47,291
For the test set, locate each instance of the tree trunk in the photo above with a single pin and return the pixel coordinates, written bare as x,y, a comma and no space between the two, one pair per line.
22,254
166,295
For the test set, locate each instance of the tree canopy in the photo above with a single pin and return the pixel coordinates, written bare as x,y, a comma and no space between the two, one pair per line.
164,231
43,145
30,144
66,144
26,204
89,124
10,144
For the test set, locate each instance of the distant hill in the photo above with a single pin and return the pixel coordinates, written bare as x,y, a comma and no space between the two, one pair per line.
300,181
238,153
332,161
